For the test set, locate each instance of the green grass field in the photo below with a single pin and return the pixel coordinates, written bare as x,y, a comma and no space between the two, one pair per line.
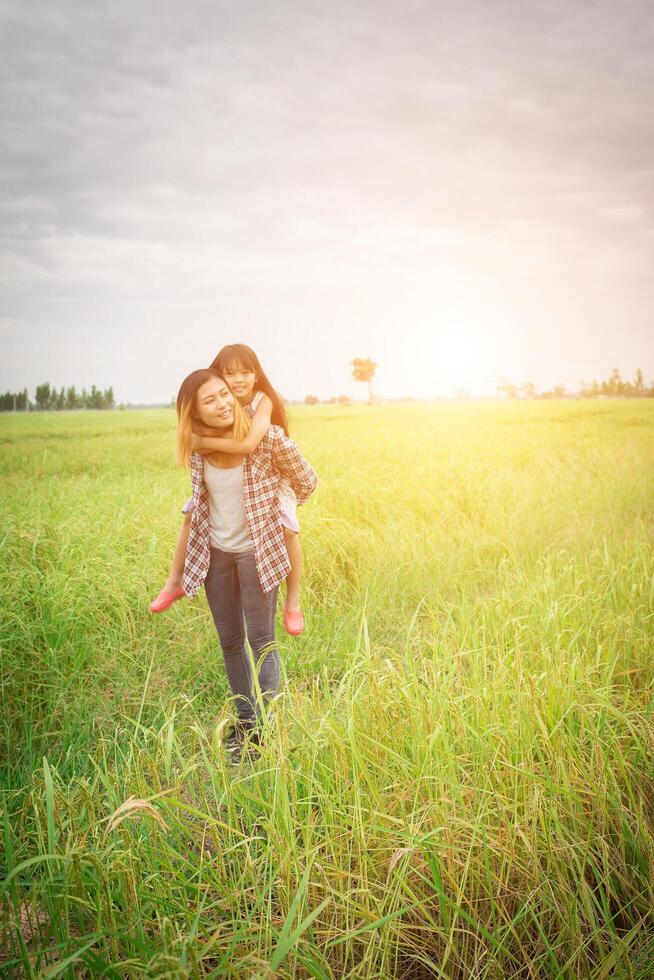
461,783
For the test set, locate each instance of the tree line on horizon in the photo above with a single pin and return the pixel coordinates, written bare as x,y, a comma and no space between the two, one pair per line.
48,399
615,386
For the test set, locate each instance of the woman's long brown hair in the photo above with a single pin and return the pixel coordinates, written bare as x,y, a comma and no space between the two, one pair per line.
187,414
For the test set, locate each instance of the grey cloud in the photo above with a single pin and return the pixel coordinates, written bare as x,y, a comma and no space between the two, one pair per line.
218,103
250,136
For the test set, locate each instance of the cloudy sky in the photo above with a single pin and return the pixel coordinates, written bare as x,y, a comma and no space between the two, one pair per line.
460,189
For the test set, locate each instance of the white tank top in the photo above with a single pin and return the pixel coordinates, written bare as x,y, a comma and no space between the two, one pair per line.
228,525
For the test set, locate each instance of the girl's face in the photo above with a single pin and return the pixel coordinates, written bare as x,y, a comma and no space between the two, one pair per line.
214,404
241,381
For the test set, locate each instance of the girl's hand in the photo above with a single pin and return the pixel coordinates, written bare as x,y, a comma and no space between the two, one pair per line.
198,444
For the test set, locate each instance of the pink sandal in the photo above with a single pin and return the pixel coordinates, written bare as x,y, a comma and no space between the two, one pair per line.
293,622
165,600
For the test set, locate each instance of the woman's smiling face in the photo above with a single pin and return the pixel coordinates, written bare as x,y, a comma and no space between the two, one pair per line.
214,404
241,380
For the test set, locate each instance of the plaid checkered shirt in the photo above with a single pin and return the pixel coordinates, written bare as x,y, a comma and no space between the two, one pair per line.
275,457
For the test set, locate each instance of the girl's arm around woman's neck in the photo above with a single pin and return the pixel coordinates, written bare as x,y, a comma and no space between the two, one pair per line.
205,444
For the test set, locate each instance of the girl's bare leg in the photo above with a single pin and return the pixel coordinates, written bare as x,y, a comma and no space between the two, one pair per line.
174,580
294,548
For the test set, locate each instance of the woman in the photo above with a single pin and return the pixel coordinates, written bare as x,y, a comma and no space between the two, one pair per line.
236,541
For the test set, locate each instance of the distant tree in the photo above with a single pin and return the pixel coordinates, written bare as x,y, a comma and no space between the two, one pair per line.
72,401
311,400
615,384
339,400
14,401
639,384
84,398
506,388
559,392
591,390
364,370
528,389
96,398
109,400
60,402
42,397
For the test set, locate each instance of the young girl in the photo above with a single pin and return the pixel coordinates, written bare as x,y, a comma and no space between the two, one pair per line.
239,366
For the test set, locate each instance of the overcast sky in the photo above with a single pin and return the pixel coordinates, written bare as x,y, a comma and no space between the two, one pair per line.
461,190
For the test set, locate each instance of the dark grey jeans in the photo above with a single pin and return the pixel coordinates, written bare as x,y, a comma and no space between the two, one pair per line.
238,605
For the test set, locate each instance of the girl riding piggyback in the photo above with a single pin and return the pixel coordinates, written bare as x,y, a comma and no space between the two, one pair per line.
239,366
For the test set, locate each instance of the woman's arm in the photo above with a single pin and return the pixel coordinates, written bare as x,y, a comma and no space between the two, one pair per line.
289,462
205,444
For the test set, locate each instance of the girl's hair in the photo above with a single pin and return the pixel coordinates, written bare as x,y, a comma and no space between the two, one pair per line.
186,415
244,356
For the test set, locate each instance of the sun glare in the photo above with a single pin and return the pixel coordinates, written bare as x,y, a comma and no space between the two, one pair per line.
465,339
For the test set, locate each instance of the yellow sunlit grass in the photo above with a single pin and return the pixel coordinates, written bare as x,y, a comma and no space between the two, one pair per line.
460,780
